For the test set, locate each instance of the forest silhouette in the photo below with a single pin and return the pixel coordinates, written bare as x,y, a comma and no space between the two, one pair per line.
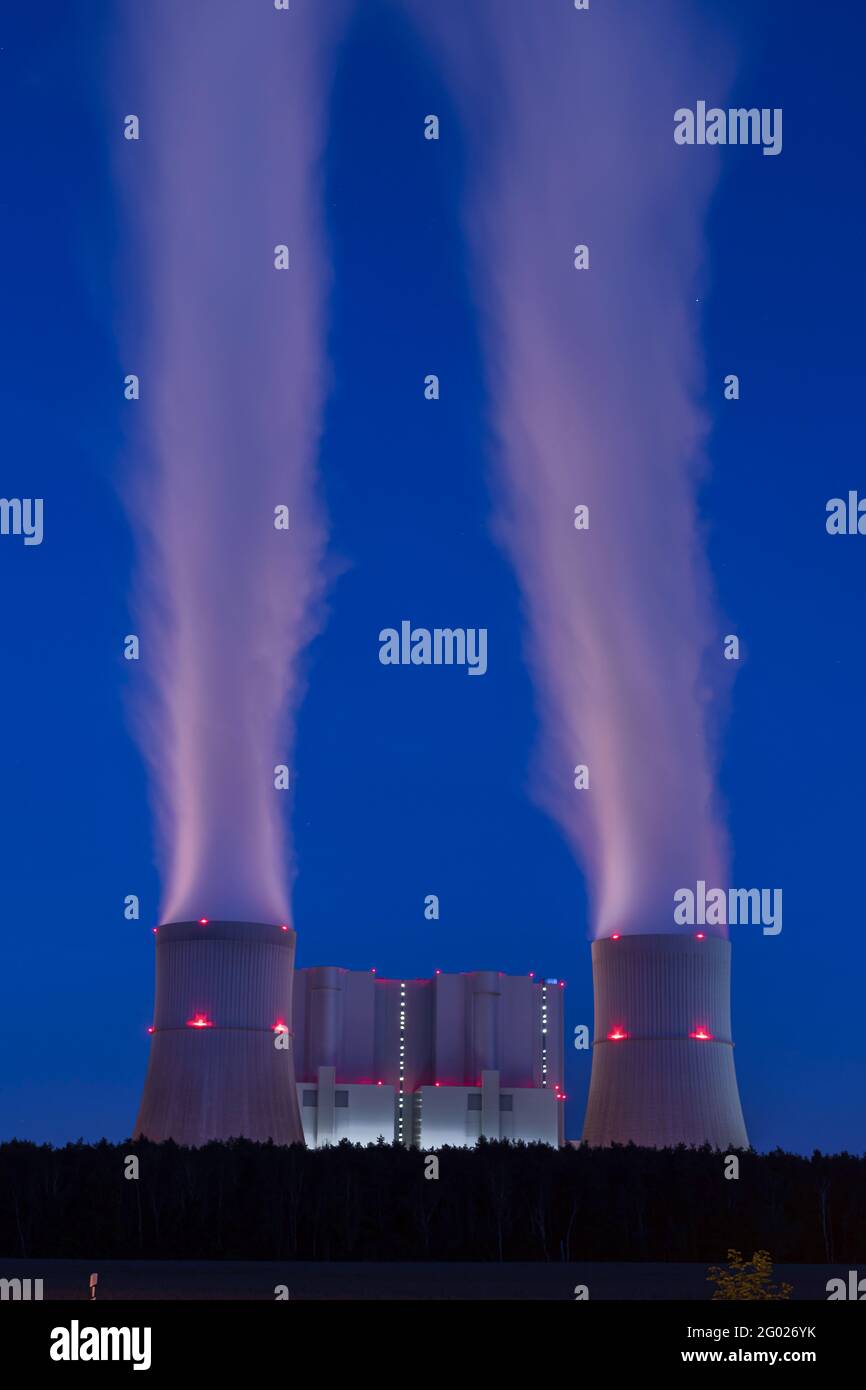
498,1201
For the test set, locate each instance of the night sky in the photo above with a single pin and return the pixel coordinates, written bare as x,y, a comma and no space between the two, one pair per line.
410,782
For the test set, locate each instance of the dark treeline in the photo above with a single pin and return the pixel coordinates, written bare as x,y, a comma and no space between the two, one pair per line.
498,1201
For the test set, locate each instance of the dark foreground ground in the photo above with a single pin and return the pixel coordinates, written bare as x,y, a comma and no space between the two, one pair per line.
177,1279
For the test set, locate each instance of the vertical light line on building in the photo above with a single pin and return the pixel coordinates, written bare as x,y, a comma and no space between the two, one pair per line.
402,1077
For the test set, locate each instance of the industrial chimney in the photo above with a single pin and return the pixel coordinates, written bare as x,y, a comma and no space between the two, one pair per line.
221,1063
663,1059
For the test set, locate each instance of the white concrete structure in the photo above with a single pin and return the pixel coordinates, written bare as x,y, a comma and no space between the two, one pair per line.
329,1113
428,1062
663,1058
460,1115
221,1064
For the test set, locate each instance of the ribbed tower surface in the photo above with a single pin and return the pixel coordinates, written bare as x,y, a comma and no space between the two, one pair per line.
216,1071
663,1057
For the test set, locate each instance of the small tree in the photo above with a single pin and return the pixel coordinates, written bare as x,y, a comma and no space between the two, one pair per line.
747,1279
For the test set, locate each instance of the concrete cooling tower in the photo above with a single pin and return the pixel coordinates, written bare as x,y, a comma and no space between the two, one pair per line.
219,1064
663,1059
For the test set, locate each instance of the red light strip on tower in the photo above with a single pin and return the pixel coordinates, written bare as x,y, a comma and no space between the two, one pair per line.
699,1034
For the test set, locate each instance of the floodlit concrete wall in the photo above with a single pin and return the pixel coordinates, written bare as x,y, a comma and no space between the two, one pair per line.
461,1115
663,1058
331,1112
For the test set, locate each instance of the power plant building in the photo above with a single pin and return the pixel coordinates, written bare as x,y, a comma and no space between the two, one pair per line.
428,1062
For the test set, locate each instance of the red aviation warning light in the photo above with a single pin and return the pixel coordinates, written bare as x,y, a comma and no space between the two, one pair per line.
702,1035
200,1021
617,1035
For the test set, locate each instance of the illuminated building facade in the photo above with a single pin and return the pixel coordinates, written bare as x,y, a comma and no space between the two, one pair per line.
431,1062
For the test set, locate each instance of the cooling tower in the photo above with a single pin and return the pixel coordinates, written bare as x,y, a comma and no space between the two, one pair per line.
219,1067
663,1059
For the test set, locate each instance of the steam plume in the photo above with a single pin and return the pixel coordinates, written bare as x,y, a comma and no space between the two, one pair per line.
230,100
593,379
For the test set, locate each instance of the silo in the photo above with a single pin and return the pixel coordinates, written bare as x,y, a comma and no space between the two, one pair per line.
325,1016
663,1057
221,1062
485,992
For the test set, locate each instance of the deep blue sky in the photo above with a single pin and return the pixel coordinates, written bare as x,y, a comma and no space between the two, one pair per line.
412,782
